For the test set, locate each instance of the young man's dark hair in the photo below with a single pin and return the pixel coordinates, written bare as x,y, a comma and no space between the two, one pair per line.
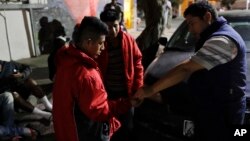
90,27
202,7
110,15
118,7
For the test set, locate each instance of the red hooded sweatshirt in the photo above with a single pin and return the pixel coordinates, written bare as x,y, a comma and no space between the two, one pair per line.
132,58
78,82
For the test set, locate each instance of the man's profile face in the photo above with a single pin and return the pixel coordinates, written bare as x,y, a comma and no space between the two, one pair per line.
93,48
196,25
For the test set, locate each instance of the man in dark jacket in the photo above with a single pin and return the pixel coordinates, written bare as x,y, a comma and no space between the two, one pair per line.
217,74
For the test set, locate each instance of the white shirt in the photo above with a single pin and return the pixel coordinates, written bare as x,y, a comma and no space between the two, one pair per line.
215,51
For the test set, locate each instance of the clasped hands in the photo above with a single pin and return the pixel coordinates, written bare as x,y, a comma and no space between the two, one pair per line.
138,97
17,75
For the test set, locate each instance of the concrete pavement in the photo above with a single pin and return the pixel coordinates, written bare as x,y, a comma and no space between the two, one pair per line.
167,32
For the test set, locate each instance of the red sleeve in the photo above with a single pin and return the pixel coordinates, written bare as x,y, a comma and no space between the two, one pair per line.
94,103
138,68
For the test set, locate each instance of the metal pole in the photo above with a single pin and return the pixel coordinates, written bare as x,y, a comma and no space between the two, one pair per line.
247,5
33,31
7,35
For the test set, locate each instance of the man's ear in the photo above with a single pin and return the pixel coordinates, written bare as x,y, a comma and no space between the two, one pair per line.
88,42
208,17
81,44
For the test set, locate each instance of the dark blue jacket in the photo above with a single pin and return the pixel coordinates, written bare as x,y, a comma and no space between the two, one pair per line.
9,68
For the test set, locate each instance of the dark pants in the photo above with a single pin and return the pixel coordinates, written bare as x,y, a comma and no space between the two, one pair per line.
216,124
125,132
89,130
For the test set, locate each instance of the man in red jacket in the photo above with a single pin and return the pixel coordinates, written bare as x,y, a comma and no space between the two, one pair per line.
81,109
121,67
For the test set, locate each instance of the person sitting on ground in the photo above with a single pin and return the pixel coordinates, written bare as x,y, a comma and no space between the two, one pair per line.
15,78
8,130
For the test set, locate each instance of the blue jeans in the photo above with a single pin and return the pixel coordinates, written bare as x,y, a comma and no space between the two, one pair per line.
7,126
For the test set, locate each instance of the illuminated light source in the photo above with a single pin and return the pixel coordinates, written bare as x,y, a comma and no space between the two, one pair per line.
127,13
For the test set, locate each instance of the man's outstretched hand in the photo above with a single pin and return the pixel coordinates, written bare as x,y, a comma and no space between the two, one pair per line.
17,75
143,92
135,102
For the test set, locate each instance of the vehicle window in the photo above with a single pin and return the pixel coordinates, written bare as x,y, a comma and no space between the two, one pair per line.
243,28
182,39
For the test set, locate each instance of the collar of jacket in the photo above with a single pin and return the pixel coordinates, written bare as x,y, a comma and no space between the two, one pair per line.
220,21
74,52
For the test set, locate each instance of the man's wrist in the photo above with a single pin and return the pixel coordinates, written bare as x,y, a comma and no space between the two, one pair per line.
22,75
148,91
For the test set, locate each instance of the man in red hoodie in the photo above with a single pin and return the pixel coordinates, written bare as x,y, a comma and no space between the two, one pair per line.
81,109
121,67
